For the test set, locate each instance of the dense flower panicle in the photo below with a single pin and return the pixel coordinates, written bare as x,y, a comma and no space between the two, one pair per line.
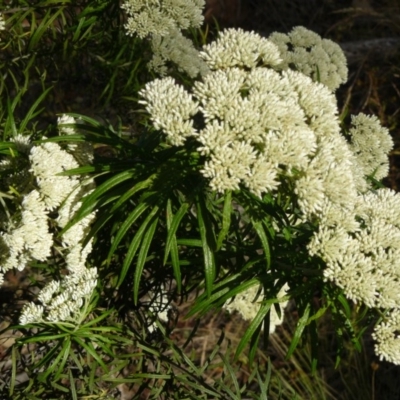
31,238
321,59
171,108
159,17
229,166
263,177
363,258
247,304
75,234
31,314
317,102
47,160
175,48
386,335
237,48
62,300
371,144
283,118
327,178
28,238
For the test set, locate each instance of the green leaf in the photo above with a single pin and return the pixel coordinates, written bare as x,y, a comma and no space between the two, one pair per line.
144,249
226,219
318,314
173,224
89,203
129,221
251,330
204,303
258,226
72,383
45,24
190,242
299,331
135,245
92,351
314,342
106,216
346,307
208,255
30,113
171,245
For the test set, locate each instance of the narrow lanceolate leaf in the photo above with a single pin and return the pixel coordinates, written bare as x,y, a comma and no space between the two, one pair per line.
129,221
299,331
133,247
144,249
104,217
205,234
226,219
89,203
258,226
172,245
173,224
255,324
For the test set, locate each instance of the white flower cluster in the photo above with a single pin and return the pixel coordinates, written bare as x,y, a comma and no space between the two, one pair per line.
387,337
260,124
238,48
178,49
172,116
159,17
62,301
47,160
361,248
263,124
364,259
371,143
29,238
247,304
321,59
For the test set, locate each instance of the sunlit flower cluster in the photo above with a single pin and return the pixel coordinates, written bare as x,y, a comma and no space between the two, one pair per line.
371,143
247,304
263,124
364,259
238,48
28,236
321,59
147,17
387,338
362,254
172,116
47,160
62,301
